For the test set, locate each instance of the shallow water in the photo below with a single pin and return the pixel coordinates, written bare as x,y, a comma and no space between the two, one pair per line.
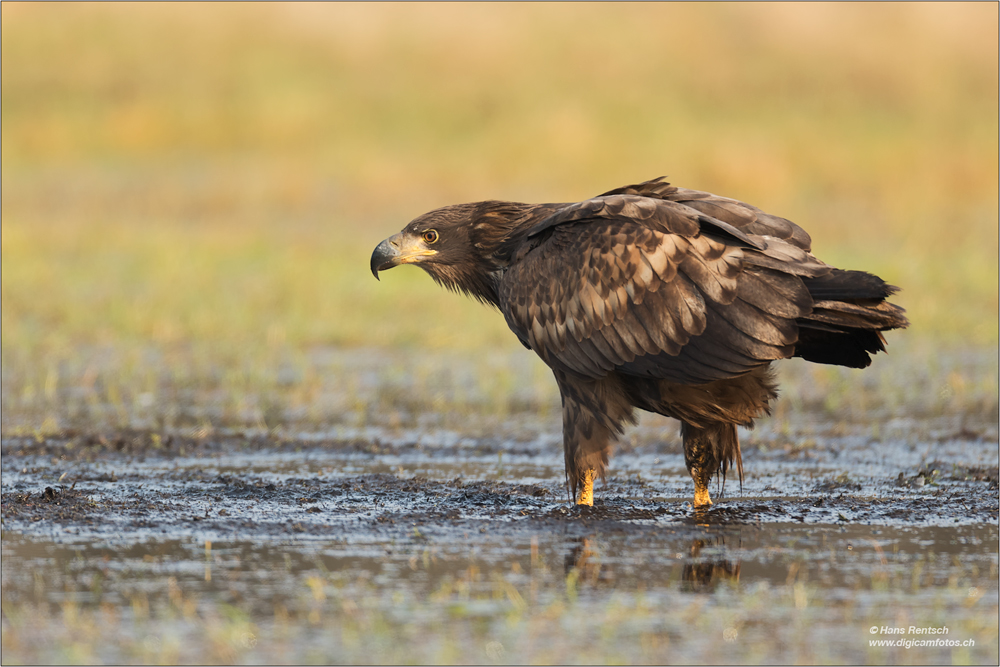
465,550
413,509
664,579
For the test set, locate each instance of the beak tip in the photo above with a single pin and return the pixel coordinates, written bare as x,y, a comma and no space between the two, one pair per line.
385,256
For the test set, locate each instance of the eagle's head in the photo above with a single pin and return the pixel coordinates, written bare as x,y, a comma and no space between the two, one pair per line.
434,240
462,247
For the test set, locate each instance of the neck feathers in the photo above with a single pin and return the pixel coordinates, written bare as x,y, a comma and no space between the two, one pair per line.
495,229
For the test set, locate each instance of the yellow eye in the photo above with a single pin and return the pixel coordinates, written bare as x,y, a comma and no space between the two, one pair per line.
430,236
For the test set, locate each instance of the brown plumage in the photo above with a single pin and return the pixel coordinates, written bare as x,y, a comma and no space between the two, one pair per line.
653,297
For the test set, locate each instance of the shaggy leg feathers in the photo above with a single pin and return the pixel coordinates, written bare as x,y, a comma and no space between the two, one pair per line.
707,451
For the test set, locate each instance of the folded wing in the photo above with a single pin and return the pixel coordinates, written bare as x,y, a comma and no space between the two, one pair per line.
651,286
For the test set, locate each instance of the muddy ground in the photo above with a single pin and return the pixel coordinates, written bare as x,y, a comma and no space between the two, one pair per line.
79,484
430,548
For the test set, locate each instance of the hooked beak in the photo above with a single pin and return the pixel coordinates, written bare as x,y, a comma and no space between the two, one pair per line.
398,249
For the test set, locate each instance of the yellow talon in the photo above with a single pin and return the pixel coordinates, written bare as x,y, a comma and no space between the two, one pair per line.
586,496
701,497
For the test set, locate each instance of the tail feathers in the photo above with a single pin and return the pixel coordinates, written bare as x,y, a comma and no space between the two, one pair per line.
840,348
843,285
847,317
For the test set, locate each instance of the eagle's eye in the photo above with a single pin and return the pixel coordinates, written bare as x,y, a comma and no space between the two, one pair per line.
430,236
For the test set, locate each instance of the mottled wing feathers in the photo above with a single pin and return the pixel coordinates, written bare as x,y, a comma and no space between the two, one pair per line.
658,214
654,288
743,216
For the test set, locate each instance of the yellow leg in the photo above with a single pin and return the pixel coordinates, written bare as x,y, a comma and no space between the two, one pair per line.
586,496
701,497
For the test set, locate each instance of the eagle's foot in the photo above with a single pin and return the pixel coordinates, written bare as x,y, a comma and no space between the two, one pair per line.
586,496
701,498
709,450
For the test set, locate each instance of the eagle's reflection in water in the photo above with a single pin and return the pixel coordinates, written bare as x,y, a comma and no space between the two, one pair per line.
704,575
699,574
584,558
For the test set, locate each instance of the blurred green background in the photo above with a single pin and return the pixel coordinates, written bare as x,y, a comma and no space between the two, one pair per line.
205,182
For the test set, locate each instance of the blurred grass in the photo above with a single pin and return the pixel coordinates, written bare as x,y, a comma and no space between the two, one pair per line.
801,623
451,608
212,178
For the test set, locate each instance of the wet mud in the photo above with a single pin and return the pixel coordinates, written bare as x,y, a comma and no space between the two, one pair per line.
303,531
84,485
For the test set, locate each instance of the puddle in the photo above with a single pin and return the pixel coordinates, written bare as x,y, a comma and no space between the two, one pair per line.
631,581
392,511
393,550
